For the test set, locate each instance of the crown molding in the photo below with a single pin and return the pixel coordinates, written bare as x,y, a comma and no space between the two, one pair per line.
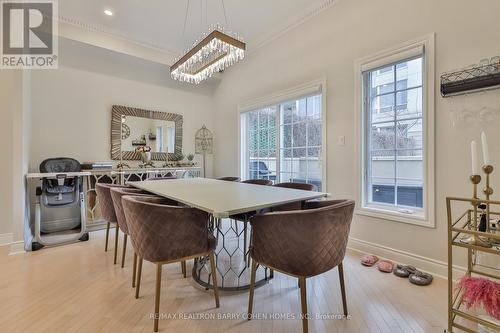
258,43
113,40
115,33
106,37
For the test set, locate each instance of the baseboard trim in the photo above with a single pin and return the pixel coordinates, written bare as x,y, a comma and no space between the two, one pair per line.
17,248
433,266
6,239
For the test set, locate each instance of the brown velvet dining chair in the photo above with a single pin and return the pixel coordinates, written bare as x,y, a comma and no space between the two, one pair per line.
244,217
303,244
103,191
298,205
293,205
264,182
163,234
116,195
229,179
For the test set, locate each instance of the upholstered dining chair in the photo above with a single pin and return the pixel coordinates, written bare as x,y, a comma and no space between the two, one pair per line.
265,182
103,191
162,234
116,195
302,244
293,205
298,205
229,179
244,217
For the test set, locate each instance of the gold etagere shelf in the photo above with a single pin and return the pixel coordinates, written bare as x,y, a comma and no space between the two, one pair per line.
463,232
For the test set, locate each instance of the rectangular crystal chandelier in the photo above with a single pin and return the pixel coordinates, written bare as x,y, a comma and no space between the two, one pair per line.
212,54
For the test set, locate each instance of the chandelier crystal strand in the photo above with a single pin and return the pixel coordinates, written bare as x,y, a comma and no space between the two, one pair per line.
214,53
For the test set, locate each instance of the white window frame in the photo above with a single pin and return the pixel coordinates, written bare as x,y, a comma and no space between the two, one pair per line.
307,89
426,46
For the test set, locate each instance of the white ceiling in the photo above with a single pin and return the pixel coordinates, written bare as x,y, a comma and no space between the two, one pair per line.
158,24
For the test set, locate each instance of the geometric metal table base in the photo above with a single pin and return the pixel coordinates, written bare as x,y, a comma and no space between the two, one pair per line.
233,272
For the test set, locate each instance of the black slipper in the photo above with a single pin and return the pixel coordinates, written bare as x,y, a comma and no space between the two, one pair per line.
421,278
404,271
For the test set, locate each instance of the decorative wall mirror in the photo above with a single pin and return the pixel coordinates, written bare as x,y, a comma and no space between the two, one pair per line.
162,131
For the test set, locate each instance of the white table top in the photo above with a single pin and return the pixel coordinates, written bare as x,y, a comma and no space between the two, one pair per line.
222,198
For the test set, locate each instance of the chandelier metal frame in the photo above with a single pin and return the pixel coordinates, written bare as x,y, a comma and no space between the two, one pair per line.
212,54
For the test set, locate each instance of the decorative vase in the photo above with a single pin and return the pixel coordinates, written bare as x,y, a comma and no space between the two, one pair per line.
146,157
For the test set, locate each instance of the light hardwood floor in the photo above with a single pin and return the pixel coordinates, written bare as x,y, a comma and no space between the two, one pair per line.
76,288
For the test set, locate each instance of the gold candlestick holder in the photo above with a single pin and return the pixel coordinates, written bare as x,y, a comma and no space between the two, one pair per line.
488,191
475,179
475,239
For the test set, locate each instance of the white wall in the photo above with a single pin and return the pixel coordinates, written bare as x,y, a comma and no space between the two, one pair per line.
10,95
326,46
72,105
14,121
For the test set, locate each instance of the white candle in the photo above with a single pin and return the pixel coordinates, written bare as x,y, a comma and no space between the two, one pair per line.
486,153
473,153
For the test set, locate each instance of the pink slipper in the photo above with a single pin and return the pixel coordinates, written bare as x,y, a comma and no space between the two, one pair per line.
369,260
385,266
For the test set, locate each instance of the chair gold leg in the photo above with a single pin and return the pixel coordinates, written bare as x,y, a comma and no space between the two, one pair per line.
124,249
116,243
252,288
107,237
303,301
157,296
134,270
138,284
183,267
342,288
214,278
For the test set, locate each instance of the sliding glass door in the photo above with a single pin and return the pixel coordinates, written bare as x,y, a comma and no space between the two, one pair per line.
283,142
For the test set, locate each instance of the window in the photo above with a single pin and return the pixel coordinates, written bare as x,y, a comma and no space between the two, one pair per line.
283,142
261,136
393,110
396,138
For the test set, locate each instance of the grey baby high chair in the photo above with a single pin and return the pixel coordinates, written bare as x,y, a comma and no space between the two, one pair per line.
60,204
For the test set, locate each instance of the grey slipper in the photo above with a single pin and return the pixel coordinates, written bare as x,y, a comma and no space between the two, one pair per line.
421,278
404,271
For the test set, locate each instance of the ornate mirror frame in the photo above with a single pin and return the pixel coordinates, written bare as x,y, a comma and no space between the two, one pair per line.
118,111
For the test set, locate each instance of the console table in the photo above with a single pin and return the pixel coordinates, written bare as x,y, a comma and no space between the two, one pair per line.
121,176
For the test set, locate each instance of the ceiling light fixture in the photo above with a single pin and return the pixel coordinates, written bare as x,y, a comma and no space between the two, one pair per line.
108,12
213,53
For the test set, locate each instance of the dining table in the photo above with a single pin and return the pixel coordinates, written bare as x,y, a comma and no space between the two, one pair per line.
223,200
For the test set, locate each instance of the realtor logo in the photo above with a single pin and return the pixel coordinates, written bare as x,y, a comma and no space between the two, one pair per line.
29,34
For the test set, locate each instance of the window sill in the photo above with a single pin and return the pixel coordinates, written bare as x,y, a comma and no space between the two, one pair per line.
395,216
